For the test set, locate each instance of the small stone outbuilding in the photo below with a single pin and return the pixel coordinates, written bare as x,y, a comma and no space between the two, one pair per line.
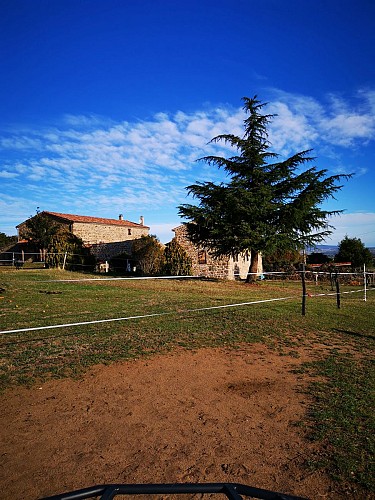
205,264
106,238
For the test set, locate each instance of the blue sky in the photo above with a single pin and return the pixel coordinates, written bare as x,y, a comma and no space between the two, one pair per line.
105,105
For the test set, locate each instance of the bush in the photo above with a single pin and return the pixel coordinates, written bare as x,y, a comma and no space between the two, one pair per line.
282,260
148,253
77,256
317,258
177,261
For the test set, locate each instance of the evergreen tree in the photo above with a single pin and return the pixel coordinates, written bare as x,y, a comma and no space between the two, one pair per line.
177,261
354,251
265,206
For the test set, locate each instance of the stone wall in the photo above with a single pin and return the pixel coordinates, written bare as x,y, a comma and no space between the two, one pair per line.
94,234
204,264
105,251
105,240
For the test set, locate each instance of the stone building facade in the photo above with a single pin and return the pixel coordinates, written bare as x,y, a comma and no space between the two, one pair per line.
205,264
106,238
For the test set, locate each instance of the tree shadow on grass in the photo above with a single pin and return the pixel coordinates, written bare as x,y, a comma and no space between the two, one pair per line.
354,334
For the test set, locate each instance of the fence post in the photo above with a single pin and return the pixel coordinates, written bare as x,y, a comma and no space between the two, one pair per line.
303,290
365,281
338,297
66,253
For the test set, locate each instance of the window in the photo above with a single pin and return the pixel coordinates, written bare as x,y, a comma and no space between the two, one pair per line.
202,257
129,231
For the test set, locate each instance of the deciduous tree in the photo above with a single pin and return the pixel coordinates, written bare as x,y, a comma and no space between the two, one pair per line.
41,229
149,255
7,240
54,240
354,251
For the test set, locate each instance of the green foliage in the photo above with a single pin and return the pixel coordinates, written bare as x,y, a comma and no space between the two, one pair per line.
55,240
64,242
354,251
282,260
40,230
317,258
6,240
177,261
149,255
264,206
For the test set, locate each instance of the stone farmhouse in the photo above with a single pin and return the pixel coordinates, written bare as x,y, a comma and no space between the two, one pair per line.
204,264
106,238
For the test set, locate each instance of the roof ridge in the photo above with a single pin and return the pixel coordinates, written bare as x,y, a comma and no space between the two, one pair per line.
89,218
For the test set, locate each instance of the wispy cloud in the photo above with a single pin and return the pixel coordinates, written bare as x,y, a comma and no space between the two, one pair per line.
8,175
304,122
358,224
94,165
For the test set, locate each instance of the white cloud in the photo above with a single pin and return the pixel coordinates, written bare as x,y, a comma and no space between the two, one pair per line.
357,224
94,165
8,175
163,231
291,130
304,122
21,143
344,129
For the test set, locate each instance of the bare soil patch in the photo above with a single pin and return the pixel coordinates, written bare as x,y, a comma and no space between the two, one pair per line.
210,415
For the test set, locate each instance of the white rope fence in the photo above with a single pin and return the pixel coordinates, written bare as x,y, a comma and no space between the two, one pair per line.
134,278
94,322
151,315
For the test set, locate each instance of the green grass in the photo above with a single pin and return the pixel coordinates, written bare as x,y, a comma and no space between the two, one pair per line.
341,416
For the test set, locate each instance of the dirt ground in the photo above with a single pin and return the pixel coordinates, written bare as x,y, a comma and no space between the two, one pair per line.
211,415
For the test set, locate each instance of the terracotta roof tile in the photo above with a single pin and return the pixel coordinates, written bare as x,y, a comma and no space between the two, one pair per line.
95,220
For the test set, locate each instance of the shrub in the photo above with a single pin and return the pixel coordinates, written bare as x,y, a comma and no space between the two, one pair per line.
177,261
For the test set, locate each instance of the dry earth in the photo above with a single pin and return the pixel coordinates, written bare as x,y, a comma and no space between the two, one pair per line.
211,415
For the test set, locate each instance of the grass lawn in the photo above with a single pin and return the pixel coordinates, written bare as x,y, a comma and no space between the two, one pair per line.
342,416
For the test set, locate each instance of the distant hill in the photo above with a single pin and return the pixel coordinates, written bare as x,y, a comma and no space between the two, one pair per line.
331,250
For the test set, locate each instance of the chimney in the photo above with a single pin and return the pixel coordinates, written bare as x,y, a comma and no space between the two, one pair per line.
120,217
142,220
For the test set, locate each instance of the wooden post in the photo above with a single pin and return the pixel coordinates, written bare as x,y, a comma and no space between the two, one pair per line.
66,253
365,281
338,295
303,290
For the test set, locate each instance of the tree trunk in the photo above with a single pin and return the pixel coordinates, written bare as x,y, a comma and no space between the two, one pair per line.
253,268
